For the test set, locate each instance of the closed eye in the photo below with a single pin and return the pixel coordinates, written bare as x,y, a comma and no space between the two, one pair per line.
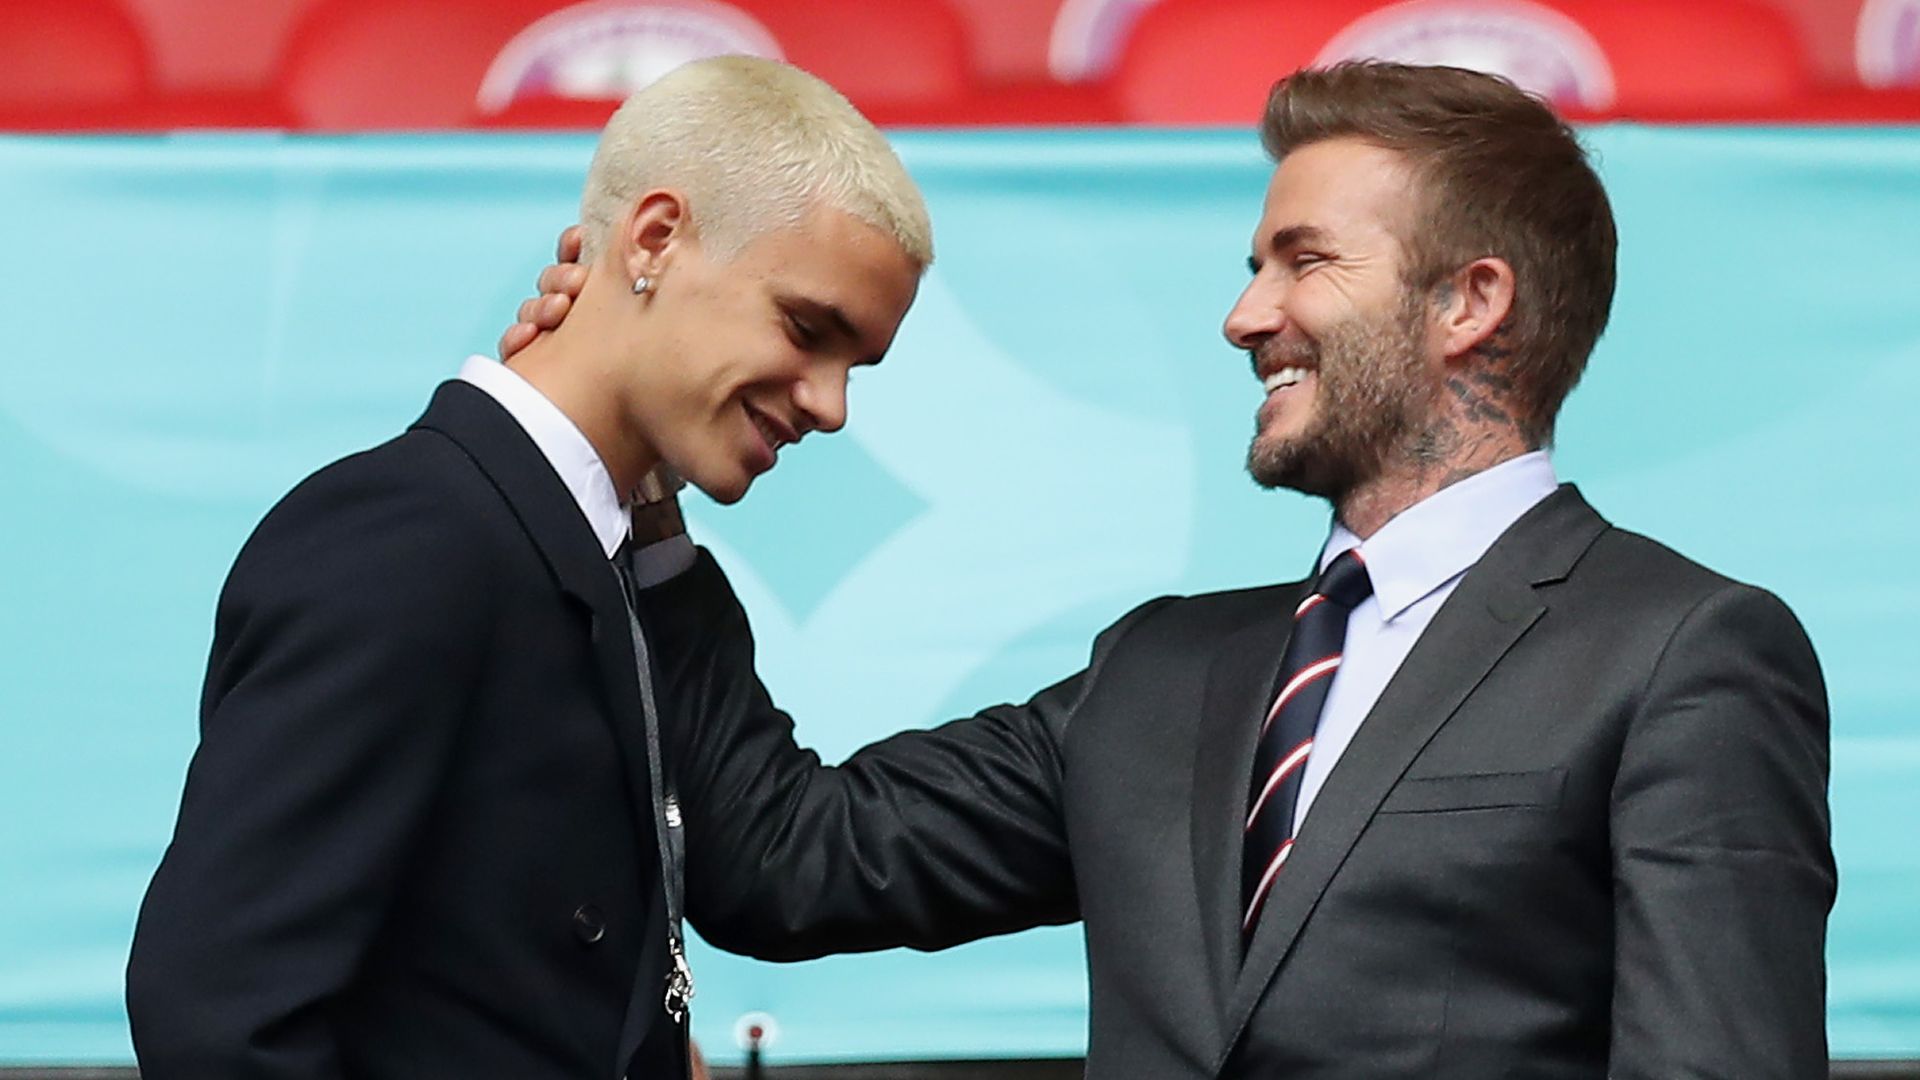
802,332
817,326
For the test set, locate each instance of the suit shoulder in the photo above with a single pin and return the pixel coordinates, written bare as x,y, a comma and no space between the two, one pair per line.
1643,566
1209,613
420,463
1638,579
1250,602
415,500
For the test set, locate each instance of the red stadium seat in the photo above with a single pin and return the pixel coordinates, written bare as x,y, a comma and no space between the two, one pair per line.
1042,103
1211,61
439,63
1704,56
549,114
1850,105
1026,105
82,65
210,110
1045,104
70,55
1861,105
396,63
882,54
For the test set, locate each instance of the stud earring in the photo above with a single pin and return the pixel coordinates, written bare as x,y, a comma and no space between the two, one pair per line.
642,285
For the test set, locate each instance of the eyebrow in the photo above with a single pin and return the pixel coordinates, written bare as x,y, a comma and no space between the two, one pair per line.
1290,237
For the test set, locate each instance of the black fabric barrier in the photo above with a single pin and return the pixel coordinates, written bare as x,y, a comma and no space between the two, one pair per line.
1047,1069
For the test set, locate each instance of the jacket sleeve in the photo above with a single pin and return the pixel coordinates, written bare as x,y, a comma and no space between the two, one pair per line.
1723,868
926,839
347,639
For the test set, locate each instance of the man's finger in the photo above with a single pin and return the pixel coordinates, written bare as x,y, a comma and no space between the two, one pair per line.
563,278
549,311
517,337
571,239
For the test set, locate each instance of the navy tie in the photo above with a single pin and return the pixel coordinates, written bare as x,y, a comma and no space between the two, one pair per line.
1286,736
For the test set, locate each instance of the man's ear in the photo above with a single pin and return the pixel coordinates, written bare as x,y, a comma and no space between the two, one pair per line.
1473,305
655,223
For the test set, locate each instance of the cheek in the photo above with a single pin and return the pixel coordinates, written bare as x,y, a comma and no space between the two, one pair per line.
1321,305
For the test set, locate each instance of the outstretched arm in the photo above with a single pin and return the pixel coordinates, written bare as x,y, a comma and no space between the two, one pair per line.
925,839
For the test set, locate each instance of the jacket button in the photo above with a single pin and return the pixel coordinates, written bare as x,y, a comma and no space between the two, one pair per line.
588,924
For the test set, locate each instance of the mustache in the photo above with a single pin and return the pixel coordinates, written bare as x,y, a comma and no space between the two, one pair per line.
1277,353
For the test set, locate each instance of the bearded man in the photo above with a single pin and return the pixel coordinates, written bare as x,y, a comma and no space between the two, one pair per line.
1500,790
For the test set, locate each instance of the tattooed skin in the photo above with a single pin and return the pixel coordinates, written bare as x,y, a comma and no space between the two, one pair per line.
1480,408
1489,430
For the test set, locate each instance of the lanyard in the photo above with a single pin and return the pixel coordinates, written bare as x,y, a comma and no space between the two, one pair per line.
668,832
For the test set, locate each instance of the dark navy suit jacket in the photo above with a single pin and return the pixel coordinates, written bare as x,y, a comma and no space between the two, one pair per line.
416,839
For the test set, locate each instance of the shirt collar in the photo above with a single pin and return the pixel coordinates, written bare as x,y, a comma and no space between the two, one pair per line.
561,443
1436,539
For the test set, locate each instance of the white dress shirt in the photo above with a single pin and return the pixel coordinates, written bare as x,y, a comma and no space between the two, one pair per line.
579,467
1415,561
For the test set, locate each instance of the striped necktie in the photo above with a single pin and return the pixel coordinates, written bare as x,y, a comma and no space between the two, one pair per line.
1286,737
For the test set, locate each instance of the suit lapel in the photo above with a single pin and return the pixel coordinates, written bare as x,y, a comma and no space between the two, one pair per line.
1493,607
553,521
1238,682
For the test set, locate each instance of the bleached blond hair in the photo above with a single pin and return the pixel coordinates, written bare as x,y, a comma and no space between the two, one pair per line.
753,145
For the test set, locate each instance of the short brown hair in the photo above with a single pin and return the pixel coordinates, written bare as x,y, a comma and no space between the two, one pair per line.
1499,175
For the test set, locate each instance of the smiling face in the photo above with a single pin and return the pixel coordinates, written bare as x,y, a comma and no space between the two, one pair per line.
1339,343
735,358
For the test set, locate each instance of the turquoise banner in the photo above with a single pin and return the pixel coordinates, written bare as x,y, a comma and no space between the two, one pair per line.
195,323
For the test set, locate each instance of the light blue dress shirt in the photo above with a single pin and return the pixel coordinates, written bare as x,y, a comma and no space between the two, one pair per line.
1415,561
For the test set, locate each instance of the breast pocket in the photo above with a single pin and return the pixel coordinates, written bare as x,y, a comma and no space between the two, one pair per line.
1476,791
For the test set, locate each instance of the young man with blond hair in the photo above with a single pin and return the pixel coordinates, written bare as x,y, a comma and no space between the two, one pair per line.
426,832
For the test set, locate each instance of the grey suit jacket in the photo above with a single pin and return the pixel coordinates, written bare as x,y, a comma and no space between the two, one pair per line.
1582,834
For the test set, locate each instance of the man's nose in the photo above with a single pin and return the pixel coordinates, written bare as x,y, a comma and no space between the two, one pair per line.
1254,317
822,399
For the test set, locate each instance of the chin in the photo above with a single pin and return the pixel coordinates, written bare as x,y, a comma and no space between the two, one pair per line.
1273,460
725,490
1296,465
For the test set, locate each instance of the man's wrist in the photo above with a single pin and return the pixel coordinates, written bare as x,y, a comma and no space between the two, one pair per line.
657,521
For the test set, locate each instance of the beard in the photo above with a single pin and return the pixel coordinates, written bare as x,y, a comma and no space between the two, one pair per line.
1370,397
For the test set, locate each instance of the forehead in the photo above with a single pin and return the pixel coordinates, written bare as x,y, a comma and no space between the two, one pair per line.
1351,190
832,258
